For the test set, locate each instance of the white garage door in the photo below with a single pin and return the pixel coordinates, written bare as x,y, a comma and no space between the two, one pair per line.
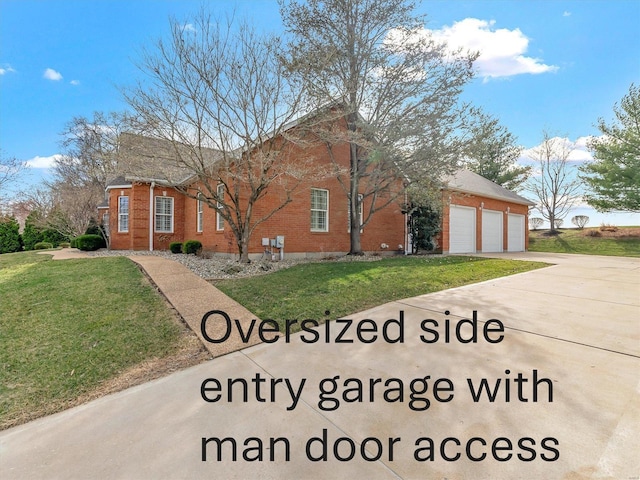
462,229
491,231
515,232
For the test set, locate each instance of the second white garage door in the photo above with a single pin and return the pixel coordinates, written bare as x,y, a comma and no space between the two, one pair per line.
491,231
462,229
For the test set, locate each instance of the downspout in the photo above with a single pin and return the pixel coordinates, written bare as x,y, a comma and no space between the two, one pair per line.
406,227
153,184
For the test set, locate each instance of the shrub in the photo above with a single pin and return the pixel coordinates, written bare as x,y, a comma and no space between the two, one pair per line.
175,247
32,234
593,233
93,228
608,228
90,242
64,245
191,246
74,242
580,221
54,237
559,222
42,246
424,225
10,239
535,222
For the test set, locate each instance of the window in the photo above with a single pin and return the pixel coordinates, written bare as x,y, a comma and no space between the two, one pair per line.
164,214
200,213
123,214
219,219
319,210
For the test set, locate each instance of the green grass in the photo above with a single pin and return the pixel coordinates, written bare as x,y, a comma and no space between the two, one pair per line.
308,290
577,241
68,326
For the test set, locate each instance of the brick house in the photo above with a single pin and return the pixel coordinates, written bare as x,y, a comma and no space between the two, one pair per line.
145,213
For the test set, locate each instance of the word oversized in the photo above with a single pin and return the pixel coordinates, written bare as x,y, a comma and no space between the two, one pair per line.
344,330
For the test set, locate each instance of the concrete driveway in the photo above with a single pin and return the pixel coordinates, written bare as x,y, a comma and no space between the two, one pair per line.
570,357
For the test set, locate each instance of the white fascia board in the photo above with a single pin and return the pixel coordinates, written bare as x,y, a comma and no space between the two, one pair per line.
112,187
494,197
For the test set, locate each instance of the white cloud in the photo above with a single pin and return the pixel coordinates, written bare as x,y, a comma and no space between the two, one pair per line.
578,151
51,74
502,51
43,162
6,69
566,14
75,82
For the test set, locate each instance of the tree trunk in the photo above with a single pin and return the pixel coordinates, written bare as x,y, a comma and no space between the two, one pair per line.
354,218
352,126
243,248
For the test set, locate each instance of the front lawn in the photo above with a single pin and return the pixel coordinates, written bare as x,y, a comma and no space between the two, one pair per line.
69,328
624,241
308,290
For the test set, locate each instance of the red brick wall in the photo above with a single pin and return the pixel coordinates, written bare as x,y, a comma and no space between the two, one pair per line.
137,238
294,220
119,241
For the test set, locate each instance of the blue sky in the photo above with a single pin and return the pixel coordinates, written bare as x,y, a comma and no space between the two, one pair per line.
545,64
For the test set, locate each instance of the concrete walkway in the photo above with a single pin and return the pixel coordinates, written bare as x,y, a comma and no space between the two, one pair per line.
570,357
193,297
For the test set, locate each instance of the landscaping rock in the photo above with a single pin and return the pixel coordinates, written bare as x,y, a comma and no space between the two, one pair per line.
219,267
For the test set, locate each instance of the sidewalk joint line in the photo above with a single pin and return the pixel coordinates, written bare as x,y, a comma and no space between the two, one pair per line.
532,333
318,413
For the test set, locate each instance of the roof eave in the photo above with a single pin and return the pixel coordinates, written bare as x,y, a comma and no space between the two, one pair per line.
524,201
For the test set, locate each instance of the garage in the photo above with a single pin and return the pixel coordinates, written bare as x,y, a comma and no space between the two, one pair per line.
482,216
462,229
491,231
515,233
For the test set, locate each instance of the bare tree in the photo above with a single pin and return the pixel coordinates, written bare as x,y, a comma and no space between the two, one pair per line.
66,209
580,221
555,185
397,87
10,170
91,157
536,222
216,94
91,150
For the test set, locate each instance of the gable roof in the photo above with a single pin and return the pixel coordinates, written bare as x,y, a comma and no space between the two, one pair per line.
466,181
150,159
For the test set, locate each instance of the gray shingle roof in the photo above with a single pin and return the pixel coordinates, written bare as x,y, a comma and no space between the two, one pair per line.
150,159
468,182
117,182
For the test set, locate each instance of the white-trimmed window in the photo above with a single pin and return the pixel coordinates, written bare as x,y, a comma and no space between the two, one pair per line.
219,219
319,210
123,214
164,214
200,213
360,212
